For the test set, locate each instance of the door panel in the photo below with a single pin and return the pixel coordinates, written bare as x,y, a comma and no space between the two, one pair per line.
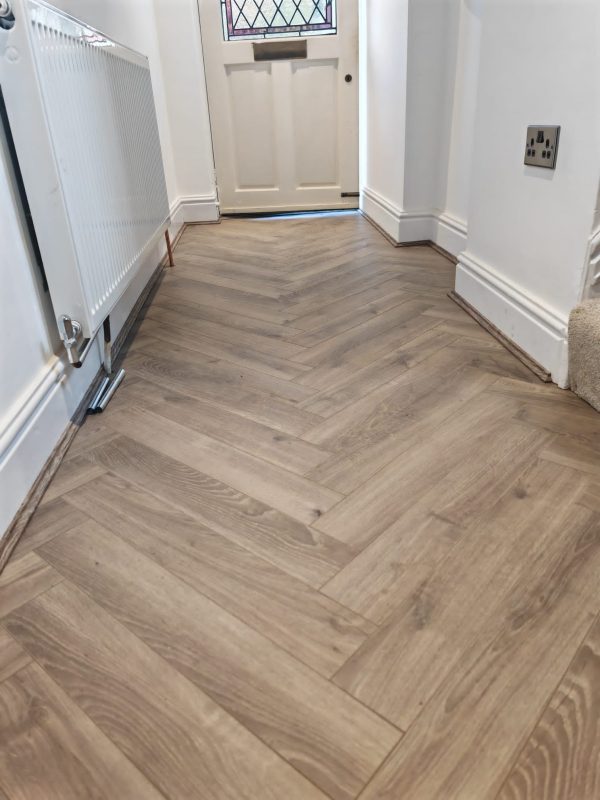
285,131
251,111
314,85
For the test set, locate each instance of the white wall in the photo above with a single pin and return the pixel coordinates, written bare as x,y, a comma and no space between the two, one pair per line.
385,50
409,74
451,233
432,51
39,392
528,228
180,45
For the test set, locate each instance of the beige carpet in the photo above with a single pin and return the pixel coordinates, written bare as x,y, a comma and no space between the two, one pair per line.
584,351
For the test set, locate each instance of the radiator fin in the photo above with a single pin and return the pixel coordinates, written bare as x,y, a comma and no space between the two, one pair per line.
99,106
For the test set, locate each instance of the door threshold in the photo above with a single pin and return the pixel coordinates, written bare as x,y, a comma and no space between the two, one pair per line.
331,212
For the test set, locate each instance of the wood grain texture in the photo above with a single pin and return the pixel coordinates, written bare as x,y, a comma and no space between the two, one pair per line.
280,700
204,333
341,388
50,749
184,743
272,445
12,656
187,307
225,386
310,626
381,578
217,371
50,519
73,472
24,578
406,412
329,539
377,503
291,545
240,353
426,636
92,432
481,715
561,760
294,495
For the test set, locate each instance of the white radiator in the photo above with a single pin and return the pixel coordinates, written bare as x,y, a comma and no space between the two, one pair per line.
82,115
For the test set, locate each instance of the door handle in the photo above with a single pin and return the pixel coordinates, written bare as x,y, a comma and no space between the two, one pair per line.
348,78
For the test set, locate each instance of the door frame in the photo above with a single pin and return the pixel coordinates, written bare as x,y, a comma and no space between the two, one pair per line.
362,105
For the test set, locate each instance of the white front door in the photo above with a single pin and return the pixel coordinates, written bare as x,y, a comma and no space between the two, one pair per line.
284,125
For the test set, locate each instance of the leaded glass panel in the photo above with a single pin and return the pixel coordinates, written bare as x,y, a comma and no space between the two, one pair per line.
266,19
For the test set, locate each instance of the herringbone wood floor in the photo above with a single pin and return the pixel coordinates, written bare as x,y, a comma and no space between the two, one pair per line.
329,540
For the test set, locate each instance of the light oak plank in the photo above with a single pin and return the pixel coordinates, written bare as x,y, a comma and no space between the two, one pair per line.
49,520
303,552
408,388
12,659
343,321
24,578
218,384
240,352
226,299
179,738
279,448
404,414
545,393
390,570
379,502
310,626
222,372
474,726
561,760
323,314
49,748
298,497
91,433
330,738
582,424
351,385
427,635
370,339
356,278
183,306
574,453
72,472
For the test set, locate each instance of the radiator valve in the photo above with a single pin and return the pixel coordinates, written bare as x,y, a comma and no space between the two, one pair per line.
72,336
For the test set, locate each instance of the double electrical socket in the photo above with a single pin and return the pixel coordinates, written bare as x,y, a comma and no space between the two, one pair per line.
541,146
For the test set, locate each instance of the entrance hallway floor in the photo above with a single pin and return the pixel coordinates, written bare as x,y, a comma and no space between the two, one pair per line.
329,539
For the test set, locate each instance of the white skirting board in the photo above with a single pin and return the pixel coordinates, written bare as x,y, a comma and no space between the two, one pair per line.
537,329
31,434
403,227
195,208
450,233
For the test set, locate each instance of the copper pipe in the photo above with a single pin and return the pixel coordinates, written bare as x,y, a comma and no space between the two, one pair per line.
169,249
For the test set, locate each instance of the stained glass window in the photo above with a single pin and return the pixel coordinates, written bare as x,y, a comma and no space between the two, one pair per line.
267,19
